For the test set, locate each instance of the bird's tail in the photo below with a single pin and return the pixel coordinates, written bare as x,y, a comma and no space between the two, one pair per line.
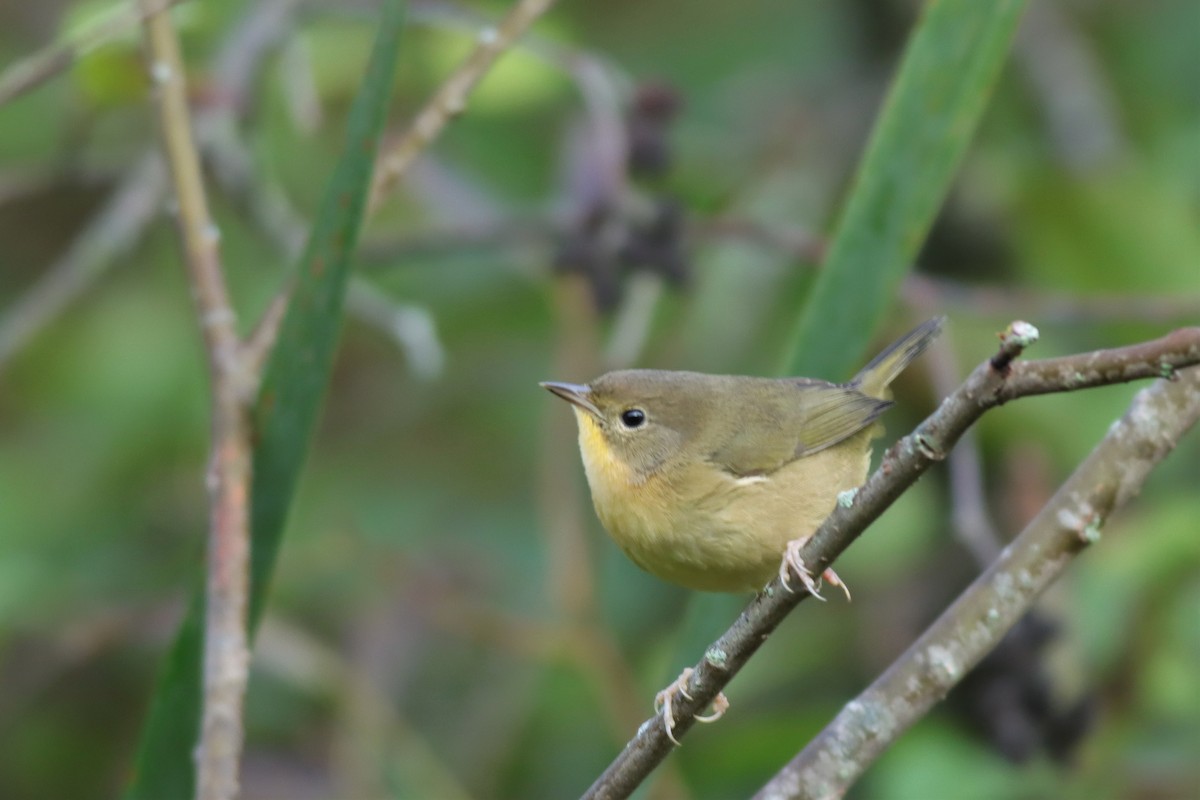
873,379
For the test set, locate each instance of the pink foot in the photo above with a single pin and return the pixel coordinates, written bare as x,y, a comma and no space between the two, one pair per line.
662,704
793,563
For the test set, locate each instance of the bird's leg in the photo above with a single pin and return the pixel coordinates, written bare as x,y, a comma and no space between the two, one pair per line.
662,704
792,562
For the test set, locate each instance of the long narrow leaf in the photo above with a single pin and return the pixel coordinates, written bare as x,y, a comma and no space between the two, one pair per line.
949,68
293,386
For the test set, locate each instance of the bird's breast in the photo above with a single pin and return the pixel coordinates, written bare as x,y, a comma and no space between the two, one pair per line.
670,522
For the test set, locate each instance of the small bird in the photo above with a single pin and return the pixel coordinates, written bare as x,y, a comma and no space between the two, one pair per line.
704,480
714,482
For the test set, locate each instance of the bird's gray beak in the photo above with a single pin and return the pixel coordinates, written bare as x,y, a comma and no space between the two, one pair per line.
575,394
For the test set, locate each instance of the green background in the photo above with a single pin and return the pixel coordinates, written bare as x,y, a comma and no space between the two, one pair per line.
447,618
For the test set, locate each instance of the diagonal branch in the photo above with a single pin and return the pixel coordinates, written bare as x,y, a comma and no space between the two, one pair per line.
110,234
33,70
998,599
451,97
992,383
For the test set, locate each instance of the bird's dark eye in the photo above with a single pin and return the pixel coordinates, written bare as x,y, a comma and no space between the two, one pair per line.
633,418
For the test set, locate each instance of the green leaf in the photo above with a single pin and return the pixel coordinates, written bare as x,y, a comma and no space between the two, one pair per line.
949,68
293,386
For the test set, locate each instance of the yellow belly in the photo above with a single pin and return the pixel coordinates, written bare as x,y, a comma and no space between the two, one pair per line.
703,528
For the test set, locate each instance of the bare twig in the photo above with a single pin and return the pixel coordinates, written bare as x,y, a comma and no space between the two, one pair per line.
200,235
1070,86
112,233
634,317
602,83
968,501
134,203
226,654
262,339
988,386
56,57
451,97
238,64
410,326
998,599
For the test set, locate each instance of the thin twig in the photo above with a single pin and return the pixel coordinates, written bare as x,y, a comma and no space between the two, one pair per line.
998,599
236,67
111,233
451,97
34,70
1069,85
135,202
226,654
968,501
986,388
261,340
602,83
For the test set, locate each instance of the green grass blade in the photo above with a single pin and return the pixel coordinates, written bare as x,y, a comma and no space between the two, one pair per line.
293,387
949,68
298,372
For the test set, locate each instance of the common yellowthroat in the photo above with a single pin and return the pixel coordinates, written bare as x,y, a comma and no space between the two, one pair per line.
709,481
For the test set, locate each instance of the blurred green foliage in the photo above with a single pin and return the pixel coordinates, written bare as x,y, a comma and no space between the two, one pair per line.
425,636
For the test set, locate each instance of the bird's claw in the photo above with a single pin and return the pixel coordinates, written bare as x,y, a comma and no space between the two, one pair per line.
793,563
662,704
834,580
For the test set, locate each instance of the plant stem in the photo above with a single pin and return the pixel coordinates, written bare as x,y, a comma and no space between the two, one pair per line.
976,622
226,653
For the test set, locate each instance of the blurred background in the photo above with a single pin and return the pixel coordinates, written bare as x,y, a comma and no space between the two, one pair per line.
640,184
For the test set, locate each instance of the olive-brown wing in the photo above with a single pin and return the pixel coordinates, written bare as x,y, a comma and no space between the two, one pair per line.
794,419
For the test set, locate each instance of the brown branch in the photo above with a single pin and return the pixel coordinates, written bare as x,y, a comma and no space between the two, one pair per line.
451,97
226,654
218,322
986,388
998,599
34,70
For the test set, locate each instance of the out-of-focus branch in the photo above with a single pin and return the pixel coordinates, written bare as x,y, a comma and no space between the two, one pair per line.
300,659
111,233
992,383
34,70
968,500
998,599
138,198
262,339
1070,86
920,291
451,97
226,654
924,291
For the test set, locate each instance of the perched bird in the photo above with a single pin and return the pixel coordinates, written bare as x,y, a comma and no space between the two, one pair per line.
714,482
708,480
